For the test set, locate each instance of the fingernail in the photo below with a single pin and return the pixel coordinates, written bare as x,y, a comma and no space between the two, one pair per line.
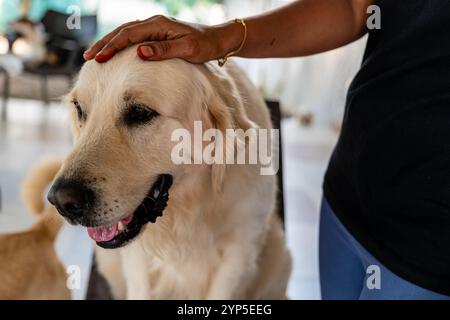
100,58
87,51
146,51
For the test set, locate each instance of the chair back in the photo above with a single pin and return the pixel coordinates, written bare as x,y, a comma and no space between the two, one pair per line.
55,24
275,114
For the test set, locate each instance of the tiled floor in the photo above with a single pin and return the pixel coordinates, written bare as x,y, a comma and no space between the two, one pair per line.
33,132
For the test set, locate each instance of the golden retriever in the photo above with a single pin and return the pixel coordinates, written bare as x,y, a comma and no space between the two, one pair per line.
203,231
29,266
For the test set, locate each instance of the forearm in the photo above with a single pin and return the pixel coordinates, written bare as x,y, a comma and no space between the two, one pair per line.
302,28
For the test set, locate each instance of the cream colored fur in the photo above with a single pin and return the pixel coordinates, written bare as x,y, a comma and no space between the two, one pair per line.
220,236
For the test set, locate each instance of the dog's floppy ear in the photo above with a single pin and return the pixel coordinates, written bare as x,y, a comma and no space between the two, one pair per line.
226,111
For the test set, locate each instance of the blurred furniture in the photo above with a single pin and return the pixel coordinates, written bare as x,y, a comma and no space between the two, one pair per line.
98,287
68,44
11,37
9,65
275,114
6,81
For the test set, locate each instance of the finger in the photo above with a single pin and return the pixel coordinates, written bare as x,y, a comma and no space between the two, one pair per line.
126,36
91,52
161,50
131,35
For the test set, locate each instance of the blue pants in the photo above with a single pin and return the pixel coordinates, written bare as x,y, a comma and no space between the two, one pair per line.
349,272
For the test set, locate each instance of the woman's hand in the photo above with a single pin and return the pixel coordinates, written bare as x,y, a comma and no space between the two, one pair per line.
298,29
165,38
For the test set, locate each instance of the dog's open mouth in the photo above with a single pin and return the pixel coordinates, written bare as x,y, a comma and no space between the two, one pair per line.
122,232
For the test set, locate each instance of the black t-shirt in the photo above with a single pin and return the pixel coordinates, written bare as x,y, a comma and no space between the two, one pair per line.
389,177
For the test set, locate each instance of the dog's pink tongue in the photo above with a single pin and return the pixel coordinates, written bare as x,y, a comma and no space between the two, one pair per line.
101,234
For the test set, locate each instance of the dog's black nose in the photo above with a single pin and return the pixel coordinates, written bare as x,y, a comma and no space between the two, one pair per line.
71,198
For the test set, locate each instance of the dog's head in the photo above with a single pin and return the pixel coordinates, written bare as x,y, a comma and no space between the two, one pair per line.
119,174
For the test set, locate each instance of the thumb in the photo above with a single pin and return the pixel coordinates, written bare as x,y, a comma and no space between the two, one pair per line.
160,50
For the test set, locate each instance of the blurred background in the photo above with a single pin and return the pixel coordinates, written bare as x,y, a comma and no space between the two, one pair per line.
40,57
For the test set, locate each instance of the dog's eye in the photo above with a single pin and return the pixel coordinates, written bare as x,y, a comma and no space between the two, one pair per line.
80,114
138,114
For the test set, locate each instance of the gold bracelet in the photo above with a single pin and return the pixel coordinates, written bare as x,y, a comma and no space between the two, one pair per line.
223,60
